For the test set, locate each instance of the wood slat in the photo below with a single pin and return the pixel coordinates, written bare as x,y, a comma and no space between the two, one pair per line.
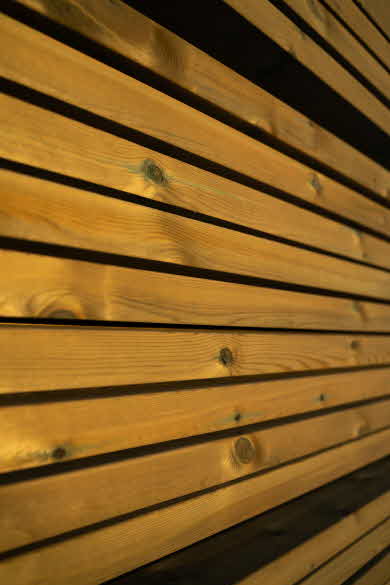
51,287
40,508
336,571
379,11
35,432
287,35
61,215
77,357
296,564
377,574
136,541
349,12
45,139
329,28
145,42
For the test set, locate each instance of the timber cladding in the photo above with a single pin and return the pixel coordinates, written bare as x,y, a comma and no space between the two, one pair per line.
195,293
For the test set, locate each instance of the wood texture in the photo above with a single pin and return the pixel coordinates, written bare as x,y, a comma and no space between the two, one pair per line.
61,215
40,358
349,12
302,560
33,431
377,574
330,29
145,42
50,287
287,35
41,138
344,565
379,11
136,541
40,508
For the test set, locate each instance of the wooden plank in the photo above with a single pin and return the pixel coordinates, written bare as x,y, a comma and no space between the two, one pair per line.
84,357
46,506
336,571
348,11
330,29
377,574
296,564
289,37
34,433
71,217
50,287
45,139
141,539
379,11
145,42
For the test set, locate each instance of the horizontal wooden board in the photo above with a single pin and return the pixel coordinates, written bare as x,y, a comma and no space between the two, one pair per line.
38,210
344,565
136,541
145,42
329,28
377,574
35,432
349,12
40,358
50,287
51,141
296,564
287,35
40,508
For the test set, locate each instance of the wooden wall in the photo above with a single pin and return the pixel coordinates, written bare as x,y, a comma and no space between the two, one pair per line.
195,293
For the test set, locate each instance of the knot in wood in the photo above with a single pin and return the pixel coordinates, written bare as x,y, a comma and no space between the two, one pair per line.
226,356
315,183
153,172
244,450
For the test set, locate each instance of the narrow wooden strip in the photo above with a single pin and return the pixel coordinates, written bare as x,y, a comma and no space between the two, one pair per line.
34,434
61,215
287,35
145,42
50,287
348,11
328,27
43,358
40,508
134,542
296,564
379,11
378,574
336,571
34,136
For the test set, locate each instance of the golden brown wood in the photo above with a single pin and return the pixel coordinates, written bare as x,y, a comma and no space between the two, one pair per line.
378,574
46,287
283,31
39,508
302,560
349,12
324,23
336,571
41,211
136,37
41,358
44,139
136,541
32,433
379,10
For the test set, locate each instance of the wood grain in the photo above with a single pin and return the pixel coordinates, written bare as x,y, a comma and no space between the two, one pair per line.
136,541
344,565
41,138
40,358
330,29
145,42
379,11
38,210
32,432
349,12
40,508
302,560
288,36
376,575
